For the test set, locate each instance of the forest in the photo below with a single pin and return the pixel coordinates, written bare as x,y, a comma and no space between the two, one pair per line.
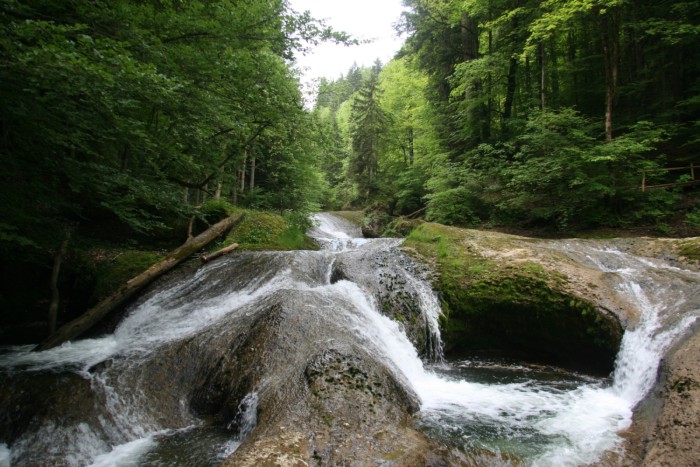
123,121
534,115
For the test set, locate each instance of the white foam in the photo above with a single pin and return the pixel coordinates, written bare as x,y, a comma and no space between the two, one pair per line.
126,455
5,455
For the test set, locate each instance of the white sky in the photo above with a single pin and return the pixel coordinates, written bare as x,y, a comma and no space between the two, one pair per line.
363,19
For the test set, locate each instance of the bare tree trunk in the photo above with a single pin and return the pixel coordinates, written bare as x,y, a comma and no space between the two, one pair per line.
126,155
58,259
252,173
220,175
190,226
510,88
245,160
554,73
528,82
91,317
216,254
575,72
610,41
234,195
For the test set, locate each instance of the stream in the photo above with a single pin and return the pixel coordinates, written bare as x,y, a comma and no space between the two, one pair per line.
136,397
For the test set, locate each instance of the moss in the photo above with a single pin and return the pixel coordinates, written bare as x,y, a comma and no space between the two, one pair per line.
516,309
260,230
394,455
690,249
684,384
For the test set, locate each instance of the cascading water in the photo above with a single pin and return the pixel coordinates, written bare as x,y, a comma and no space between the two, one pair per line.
115,415
569,422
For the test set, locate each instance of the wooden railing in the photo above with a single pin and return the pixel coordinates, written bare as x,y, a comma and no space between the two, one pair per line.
692,168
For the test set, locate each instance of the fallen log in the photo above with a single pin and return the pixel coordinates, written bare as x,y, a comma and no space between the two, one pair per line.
216,254
95,314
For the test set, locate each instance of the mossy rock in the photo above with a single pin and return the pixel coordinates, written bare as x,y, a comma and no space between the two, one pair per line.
401,227
374,222
512,309
261,230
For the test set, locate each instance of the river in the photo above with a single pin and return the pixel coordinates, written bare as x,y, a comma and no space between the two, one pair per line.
133,397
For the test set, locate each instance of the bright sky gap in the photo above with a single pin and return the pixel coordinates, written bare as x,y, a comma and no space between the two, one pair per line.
363,19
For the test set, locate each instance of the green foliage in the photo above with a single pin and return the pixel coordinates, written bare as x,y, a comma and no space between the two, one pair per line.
112,273
693,218
516,109
453,207
118,119
368,123
111,112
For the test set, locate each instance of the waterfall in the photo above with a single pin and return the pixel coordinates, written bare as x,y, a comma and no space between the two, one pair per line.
125,418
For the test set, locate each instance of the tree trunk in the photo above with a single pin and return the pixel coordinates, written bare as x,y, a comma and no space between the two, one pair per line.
411,149
58,259
252,173
220,176
91,317
470,38
126,155
572,61
528,83
543,76
554,73
610,41
510,88
219,184
216,254
245,160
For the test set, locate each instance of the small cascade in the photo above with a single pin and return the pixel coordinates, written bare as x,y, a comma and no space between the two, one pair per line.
247,416
336,234
431,309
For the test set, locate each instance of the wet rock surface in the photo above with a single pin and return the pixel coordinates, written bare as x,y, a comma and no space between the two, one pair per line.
666,431
324,393
666,427
384,274
284,343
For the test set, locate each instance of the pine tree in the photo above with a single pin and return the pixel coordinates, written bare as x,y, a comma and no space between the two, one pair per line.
368,127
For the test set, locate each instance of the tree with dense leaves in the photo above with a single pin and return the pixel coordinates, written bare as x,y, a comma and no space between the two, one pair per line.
537,113
117,119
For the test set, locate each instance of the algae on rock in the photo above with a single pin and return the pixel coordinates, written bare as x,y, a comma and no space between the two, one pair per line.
512,305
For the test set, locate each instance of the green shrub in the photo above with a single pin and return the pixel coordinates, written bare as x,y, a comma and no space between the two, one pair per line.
455,206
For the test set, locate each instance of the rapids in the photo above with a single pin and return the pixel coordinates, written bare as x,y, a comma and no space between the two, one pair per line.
152,392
